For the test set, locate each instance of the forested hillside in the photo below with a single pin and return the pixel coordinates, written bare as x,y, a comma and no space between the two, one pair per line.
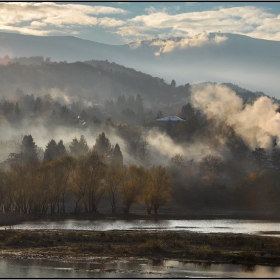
94,127
91,81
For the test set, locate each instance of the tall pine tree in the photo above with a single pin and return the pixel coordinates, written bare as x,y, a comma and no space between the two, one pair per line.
117,154
51,151
103,145
28,149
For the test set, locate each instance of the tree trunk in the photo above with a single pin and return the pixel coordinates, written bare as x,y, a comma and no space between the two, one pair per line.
85,204
63,204
94,207
57,206
114,207
126,209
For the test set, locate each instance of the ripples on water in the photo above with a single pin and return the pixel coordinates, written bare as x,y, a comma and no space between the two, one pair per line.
130,268
203,226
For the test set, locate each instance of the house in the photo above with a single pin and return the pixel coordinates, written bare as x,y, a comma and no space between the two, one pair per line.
170,119
168,122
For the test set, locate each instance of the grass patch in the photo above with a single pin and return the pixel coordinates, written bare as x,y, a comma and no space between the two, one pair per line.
192,246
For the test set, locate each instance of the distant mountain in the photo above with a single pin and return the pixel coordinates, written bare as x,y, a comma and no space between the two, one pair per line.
95,81
248,62
244,93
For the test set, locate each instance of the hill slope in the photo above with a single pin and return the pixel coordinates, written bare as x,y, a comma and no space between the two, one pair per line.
250,63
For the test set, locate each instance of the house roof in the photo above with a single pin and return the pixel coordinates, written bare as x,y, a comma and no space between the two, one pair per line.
170,118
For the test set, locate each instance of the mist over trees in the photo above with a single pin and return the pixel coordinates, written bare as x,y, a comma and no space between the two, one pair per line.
76,136
82,180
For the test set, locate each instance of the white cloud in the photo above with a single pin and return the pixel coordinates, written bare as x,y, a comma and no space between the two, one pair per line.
248,20
48,17
53,16
219,39
190,41
110,22
27,30
136,44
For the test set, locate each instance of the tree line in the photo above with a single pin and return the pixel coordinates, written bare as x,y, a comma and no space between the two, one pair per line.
82,178
249,183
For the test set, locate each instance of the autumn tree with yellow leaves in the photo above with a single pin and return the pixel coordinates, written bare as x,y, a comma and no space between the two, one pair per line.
157,191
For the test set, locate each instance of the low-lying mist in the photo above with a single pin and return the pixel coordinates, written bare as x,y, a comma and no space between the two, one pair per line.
256,123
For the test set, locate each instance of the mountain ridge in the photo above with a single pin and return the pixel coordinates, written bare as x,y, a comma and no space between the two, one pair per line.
97,80
249,62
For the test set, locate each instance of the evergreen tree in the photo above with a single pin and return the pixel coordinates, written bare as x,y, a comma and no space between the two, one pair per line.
103,145
131,102
51,151
79,147
173,83
128,114
54,150
121,102
117,154
28,149
65,115
8,107
187,111
61,150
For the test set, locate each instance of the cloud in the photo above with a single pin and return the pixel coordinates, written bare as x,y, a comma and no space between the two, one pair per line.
219,39
151,10
26,30
134,33
48,18
45,18
191,41
249,20
110,22
135,45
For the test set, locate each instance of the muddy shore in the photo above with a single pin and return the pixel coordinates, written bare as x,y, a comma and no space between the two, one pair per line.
183,246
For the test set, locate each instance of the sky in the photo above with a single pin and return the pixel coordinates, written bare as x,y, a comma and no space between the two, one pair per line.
118,23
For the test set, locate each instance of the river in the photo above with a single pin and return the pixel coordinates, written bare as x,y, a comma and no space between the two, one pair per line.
140,268
202,226
19,268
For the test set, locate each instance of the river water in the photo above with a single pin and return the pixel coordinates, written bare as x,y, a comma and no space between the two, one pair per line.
203,226
140,268
18,268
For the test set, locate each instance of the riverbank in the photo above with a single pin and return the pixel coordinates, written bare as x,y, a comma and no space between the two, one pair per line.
183,246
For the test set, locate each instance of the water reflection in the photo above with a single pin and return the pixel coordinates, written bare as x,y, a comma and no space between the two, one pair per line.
248,268
206,226
157,262
205,266
127,268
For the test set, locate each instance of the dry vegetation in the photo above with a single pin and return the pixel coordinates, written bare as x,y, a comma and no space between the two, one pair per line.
217,248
